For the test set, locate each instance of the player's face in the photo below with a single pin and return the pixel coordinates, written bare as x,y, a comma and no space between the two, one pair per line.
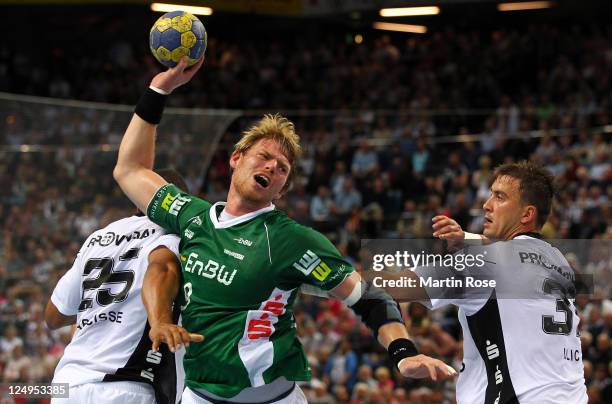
261,172
503,209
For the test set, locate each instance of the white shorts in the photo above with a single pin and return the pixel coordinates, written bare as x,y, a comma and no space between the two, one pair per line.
109,393
295,397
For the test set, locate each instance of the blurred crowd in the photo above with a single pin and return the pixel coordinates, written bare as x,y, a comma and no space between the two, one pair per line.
375,120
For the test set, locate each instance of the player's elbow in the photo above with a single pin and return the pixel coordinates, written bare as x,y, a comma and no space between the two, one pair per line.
54,319
52,323
50,319
124,174
129,175
120,172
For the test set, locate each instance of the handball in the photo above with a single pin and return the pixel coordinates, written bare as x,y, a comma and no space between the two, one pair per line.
177,34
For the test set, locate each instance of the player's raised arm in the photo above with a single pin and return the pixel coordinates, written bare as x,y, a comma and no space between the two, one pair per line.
134,168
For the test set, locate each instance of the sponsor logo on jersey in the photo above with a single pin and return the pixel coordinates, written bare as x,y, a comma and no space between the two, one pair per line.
233,254
195,220
107,238
492,350
340,272
168,199
537,259
243,241
493,353
189,234
263,325
152,357
212,269
178,204
310,263
110,237
260,323
498,375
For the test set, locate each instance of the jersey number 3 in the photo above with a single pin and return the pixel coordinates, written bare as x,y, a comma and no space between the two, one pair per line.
549,325
107,276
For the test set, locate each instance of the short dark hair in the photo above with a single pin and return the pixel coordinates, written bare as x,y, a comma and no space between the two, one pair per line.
173,177
535,185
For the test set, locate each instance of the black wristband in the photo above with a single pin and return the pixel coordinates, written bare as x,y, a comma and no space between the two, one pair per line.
150,107
401,348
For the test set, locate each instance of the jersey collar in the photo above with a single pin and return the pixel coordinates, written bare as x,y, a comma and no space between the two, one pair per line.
237,220
531,234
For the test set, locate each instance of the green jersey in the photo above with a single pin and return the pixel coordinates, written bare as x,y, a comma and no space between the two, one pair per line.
240,281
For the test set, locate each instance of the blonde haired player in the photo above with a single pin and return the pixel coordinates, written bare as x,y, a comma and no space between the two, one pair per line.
243,262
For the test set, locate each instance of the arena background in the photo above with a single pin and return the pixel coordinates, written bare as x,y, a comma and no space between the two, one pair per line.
397,127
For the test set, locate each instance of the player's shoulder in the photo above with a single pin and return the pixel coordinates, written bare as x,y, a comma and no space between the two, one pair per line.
130,223
286,230
280,221
172,199
523,246
123,230
171,192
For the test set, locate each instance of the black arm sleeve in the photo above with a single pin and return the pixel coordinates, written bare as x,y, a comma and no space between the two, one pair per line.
376,308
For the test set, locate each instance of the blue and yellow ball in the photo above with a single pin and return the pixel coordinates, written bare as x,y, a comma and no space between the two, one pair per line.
177,34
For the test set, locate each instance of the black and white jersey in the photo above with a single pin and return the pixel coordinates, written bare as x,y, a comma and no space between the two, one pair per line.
521,342
102,289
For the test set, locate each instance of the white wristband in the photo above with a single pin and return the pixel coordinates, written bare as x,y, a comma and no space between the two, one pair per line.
471,236
159,90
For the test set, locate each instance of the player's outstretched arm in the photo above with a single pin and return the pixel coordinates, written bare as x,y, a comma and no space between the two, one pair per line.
422,366
159,289
134,168
394,337
381,314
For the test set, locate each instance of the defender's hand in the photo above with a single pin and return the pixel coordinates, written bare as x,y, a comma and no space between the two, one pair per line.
176,76
173,335
448,229
421,366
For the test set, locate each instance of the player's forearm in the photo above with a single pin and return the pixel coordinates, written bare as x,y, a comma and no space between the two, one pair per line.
134,166
390,332
137,149
394,337
159,290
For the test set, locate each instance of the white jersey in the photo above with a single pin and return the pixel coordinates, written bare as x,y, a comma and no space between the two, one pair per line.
102,289
521,341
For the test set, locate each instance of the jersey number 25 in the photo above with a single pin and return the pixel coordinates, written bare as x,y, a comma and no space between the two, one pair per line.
107,276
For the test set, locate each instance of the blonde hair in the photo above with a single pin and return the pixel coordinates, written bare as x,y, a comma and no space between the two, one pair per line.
279,129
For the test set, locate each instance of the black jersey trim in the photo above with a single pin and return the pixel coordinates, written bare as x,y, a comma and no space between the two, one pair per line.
530,234
487,333
160,365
